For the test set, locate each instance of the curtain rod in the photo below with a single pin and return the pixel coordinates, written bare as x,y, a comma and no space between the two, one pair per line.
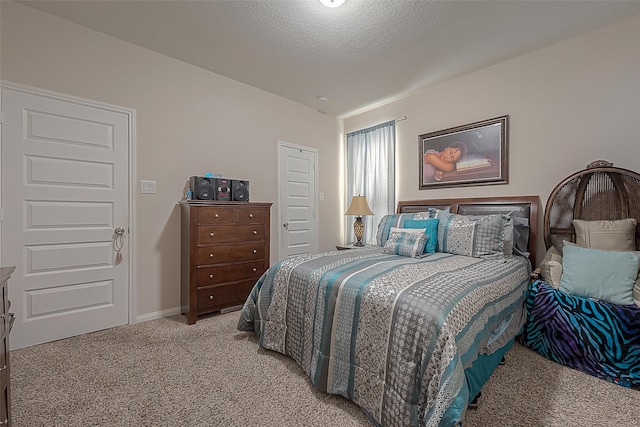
401,119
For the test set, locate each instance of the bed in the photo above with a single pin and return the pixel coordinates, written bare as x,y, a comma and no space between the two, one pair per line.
584,311
411,340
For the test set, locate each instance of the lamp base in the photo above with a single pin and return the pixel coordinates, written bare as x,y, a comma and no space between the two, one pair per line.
358,230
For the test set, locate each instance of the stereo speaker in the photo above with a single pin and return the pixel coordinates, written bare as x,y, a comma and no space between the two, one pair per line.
223,189
202,187
240,190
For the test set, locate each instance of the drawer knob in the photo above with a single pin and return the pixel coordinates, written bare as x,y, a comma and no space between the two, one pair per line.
255,251
210,297
255,269
210,234
211,276
215,216
250,215
255,232
3,368
210,255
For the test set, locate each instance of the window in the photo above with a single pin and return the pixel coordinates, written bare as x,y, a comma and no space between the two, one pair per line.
370,172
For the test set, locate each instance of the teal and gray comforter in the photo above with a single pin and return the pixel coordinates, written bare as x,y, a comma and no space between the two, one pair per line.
393,334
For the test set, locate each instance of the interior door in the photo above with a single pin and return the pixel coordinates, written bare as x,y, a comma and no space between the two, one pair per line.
298,222
65,191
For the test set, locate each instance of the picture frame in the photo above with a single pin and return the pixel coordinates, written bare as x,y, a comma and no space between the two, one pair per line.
471,154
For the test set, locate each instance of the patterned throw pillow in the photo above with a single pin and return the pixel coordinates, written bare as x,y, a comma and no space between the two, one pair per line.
398,220
431,229
405,244
471,235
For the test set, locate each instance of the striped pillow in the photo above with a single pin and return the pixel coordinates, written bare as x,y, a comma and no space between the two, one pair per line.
398,220
472,235
405,244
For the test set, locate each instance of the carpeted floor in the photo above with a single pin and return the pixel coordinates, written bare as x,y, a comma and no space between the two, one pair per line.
166,373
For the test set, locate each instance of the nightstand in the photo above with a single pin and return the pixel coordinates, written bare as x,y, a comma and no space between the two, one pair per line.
351,246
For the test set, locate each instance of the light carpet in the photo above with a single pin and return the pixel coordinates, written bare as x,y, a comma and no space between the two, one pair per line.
167,373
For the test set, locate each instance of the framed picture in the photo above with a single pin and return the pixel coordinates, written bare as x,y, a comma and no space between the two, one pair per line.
473,154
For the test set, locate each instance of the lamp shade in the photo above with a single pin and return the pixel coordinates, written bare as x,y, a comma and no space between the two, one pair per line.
359,206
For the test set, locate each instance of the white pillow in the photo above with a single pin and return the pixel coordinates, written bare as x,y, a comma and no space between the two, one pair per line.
551,267
408,230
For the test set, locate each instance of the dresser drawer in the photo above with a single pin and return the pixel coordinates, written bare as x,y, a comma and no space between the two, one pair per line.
216,215
249,215
209,234
214,297
230,272
219,254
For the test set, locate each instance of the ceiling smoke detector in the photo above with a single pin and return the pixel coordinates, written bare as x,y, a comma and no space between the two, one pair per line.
332,3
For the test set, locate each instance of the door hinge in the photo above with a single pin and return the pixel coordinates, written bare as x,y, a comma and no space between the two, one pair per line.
1,117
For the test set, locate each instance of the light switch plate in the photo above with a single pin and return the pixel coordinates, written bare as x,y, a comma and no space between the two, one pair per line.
147,187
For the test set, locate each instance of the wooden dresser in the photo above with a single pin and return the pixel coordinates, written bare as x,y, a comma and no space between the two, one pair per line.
225,250
5,328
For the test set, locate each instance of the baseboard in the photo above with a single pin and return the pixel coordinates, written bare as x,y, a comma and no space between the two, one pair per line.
158,314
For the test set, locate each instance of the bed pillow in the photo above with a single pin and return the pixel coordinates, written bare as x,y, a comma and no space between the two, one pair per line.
551,267
471,235
509,229
395,220
398,220
431,229
521,236
600,274
405,243
619,235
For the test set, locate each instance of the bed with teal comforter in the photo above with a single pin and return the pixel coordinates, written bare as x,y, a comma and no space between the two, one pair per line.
393,334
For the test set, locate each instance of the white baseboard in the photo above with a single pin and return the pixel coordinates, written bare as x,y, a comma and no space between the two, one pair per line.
158,314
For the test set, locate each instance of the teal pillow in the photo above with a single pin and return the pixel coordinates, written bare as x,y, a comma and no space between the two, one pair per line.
600,274
431,226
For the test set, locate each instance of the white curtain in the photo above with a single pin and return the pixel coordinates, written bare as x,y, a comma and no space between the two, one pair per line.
370,172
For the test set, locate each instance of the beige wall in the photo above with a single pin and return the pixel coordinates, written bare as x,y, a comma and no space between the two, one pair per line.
569,104
189,121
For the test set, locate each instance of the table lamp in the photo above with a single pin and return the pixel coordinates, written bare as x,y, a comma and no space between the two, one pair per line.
359,207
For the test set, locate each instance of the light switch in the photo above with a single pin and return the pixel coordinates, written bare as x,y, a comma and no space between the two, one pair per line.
147,187
321,196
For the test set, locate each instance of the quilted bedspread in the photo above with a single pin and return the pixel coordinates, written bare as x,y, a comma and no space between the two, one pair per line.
393,334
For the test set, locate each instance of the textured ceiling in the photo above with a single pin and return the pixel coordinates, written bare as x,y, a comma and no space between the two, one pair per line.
362,54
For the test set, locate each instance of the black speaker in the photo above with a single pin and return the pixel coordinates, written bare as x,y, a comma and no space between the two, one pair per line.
223,189
240,190
202,187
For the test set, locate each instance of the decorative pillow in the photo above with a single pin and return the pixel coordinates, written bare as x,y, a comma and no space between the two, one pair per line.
407,230
431,229
409,244
471,235
397,220
600,274
619,235
551,267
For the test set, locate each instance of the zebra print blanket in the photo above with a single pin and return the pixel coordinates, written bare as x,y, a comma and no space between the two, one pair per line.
595,337
393,334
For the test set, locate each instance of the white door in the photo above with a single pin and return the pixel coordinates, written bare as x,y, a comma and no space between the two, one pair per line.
297,178
65,189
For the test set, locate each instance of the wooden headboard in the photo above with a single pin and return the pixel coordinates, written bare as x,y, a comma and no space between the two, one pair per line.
521,206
